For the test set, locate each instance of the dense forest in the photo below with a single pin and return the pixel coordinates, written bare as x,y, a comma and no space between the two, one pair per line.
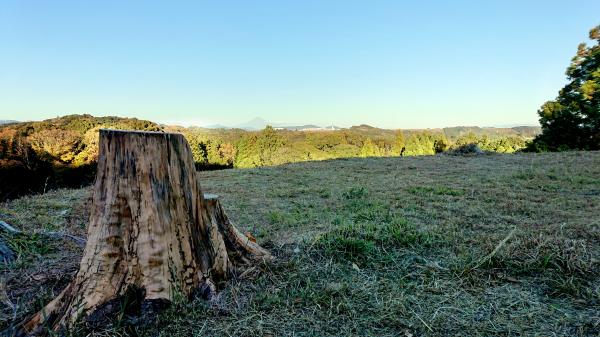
61,152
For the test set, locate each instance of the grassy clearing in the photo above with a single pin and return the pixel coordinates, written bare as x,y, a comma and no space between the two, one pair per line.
44,264
440,245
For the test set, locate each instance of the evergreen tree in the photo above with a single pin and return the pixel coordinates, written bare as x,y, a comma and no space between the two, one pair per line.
420,143
370,149
268,142
572,120
399,143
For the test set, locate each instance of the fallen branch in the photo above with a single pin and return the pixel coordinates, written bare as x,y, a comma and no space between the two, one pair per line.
422,321
79,240
498,246
9,228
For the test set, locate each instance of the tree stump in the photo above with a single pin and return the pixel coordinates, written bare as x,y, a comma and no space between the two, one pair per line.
152,234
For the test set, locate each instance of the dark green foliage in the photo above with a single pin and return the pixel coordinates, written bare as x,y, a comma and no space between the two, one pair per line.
441,144
466,150
572,120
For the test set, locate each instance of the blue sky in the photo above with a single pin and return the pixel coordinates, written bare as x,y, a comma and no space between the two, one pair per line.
393,64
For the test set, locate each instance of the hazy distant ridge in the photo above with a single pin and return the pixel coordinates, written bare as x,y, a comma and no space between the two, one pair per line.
259,124
455,131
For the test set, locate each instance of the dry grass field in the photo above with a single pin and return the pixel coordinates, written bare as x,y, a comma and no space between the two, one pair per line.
436,246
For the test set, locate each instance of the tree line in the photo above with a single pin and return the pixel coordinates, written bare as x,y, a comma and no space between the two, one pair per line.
62,152
243,149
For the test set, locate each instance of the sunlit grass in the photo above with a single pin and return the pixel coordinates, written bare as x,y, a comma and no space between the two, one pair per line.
392,247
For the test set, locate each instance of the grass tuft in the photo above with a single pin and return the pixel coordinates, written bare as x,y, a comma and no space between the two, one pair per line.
437,190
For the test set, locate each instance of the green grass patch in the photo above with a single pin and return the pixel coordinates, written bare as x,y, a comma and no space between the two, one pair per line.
356,192
27,247
370,240
435,190
367,228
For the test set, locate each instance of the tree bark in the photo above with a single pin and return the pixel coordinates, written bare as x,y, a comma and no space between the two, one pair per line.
152,234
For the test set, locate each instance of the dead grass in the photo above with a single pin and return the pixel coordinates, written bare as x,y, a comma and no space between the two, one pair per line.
377,247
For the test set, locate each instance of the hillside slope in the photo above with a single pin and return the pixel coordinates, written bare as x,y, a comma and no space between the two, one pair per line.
62,152
437,245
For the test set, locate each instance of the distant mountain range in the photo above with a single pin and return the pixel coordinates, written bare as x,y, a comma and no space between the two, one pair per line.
259,124
455,131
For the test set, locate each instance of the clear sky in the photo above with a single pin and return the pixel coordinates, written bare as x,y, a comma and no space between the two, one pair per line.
394,64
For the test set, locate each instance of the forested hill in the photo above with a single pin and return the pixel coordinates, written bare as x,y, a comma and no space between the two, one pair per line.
62,151
59,152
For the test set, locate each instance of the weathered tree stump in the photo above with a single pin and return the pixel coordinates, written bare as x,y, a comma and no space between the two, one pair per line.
152,234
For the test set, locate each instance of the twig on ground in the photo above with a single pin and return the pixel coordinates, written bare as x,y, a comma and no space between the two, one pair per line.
78,240
9,228
422,321
498,246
